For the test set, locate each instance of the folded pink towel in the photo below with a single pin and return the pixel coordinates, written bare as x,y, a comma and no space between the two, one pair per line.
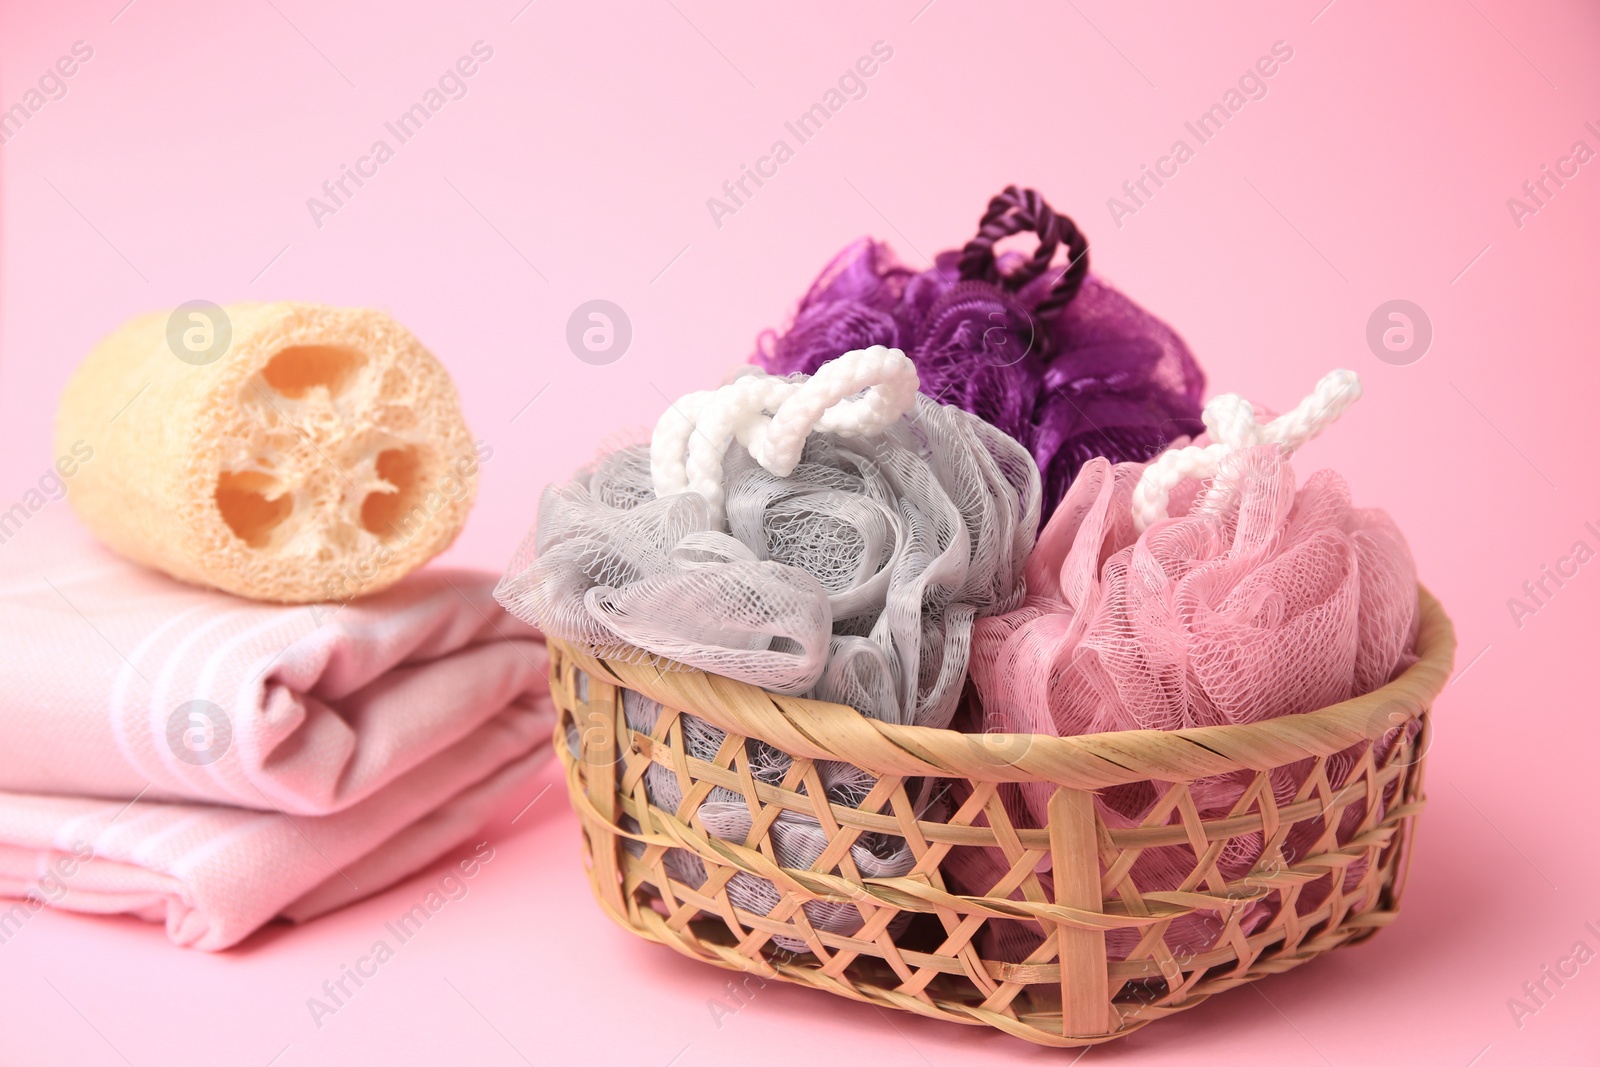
278,760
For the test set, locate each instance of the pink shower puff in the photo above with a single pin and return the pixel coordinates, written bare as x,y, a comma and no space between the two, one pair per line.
1261,600
1276,601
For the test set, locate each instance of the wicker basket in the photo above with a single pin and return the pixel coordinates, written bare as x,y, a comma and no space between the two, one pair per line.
1068,993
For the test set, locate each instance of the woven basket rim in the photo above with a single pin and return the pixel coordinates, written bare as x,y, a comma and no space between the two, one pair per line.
817,729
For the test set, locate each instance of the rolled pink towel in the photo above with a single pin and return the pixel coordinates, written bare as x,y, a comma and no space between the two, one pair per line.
279,760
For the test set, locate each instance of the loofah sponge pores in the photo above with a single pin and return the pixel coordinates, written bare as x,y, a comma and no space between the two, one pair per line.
287,452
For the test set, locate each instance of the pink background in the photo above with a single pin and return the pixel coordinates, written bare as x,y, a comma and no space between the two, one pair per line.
1377,167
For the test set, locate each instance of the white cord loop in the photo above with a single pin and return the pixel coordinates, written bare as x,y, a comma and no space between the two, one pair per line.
1231,423
772,417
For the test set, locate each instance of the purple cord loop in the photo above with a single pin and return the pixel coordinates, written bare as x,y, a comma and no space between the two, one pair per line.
1054,357
1018,211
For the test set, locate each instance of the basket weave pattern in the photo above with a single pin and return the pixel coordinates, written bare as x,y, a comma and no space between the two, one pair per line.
1068,992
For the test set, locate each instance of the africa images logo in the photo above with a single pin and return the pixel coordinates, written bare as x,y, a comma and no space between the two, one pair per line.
337,192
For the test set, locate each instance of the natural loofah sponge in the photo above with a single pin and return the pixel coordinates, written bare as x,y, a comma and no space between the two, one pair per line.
320,455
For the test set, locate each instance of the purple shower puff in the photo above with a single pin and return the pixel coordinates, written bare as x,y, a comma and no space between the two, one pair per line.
1119,384
972,342
1054,357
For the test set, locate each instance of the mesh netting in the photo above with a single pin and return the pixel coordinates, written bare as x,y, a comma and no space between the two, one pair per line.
855,579
1257,602
1060,361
